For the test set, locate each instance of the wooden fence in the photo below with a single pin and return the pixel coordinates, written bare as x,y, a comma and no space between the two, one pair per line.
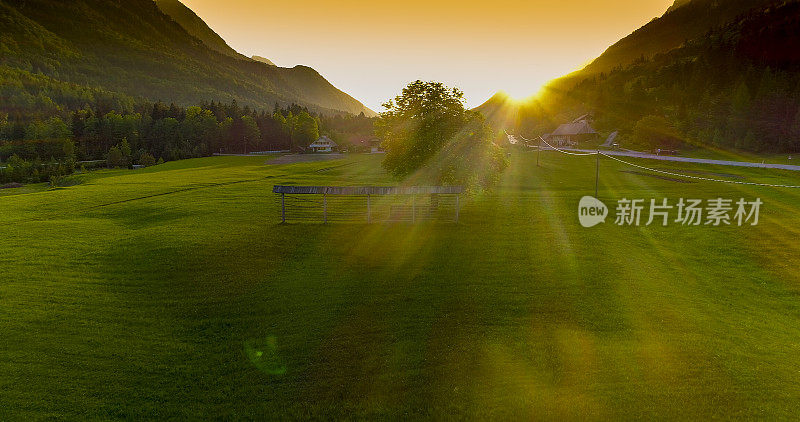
368,203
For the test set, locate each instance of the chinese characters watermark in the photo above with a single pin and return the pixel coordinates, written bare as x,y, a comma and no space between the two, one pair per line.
686,212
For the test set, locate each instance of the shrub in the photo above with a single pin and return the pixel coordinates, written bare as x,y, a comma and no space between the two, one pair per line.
56,181
147,160
115,158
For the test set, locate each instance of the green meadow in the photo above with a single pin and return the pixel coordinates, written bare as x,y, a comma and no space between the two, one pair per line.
174,292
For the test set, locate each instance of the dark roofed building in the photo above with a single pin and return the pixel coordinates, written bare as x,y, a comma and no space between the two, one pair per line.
571,134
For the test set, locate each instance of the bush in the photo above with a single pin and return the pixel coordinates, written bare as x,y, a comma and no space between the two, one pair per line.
20,170
147,160
115,158
56,181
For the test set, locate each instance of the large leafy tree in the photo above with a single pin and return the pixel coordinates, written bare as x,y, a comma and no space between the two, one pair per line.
428,132
305,130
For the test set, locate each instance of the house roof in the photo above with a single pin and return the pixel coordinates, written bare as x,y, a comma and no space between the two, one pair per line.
575,128
583,117
323,141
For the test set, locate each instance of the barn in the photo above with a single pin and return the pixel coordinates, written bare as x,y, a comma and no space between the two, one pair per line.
572,134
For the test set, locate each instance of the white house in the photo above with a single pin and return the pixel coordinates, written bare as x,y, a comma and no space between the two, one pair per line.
375,146
323,144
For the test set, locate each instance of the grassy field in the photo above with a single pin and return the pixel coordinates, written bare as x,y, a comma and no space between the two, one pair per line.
174,292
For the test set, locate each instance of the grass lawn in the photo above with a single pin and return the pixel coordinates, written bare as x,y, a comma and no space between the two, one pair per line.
173,292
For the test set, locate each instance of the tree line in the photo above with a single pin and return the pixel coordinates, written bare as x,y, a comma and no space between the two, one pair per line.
30,147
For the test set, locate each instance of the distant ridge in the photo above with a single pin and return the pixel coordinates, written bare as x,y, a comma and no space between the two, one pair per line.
195,26
500,111
677,4
263,60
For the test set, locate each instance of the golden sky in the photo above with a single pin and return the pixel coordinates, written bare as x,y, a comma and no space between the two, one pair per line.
372,49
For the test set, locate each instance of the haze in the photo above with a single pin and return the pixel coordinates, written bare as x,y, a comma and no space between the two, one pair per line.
372,49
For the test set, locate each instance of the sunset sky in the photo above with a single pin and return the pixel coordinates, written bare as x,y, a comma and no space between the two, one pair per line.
372,49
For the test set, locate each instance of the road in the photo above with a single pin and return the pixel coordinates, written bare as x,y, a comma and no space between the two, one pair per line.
686,159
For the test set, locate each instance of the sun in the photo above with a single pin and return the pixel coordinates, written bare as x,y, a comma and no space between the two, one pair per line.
526,89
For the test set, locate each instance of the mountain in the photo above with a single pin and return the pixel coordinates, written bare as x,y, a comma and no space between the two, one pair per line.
63,54
501,111
684,20
532,116
733,82
314,88
677,4
195,26
735,87
263,60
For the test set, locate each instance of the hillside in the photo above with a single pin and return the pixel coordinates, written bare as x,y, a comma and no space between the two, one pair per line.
69,53
314,88
500,111
738,86
685,20
533,116
732,85
195,26
677,4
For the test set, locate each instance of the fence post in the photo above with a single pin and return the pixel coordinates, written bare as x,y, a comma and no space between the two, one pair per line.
413,208
325,208
538,151
457,195
369,210
597,174
283,207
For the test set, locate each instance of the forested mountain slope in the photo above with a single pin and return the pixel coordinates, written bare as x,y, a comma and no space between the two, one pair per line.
64,54
737,86
685,20
195,26
734,84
